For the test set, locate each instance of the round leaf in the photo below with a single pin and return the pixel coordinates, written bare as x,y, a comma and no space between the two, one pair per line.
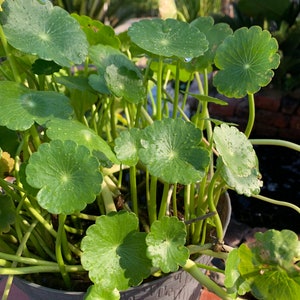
66,174
126,147
215,35
114,252
41,29
33,106
96,292
166,242
245,60
168,38
171,150
82,135
235,149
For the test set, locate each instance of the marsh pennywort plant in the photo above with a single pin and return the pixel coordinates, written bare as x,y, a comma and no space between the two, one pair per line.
83,127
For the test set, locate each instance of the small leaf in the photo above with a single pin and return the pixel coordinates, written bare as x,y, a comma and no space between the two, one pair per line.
245,60
66,174
215,35
171,150
114,252
47,31
96,292
126,147
168,38
82,135
7,213
33,106
96,32
166,242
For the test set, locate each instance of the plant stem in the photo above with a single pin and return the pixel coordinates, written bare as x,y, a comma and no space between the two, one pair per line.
152,200
107,196
133,190
191,268
159,88
251,117
165,199
58,250
272,142
277,202
176,89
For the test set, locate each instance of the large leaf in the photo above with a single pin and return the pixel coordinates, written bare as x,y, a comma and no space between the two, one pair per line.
41,29
114,252
82,135
66,174
166,242
171,150
168,38
245,60
21,107
96,292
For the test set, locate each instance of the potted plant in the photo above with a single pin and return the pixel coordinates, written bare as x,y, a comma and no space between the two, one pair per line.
106,180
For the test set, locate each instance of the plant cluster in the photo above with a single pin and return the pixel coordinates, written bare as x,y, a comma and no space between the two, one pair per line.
103,172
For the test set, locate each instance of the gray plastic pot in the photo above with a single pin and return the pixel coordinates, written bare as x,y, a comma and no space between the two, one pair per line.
175,286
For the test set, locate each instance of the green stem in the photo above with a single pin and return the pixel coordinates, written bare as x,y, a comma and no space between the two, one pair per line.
277,202
251,117
191,268
107,196
271,142
164,201
159,88
10,56
26,260
152,200
58,250
133,190
174,200
176,90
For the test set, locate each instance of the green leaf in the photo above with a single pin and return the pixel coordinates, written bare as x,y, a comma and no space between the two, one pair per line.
45,67
235,149
126,147
96,32
96,292
7,213
116,74
114,252
66,174
46,31
245,60
168,38
215,35
33,106
171,150
237,160
82,135
270,262
166,242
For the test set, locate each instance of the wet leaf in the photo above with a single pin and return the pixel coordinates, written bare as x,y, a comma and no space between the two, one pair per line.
168,38
46,31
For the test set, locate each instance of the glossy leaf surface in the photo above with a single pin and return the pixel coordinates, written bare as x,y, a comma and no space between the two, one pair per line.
46,31
33,106
245,60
